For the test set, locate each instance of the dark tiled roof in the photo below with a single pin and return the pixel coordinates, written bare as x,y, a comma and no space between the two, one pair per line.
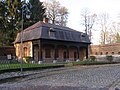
41,30
36,25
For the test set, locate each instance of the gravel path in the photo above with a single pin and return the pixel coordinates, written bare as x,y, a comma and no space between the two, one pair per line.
105,77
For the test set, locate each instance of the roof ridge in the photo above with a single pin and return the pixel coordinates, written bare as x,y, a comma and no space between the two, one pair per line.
41,23
36,25
60,27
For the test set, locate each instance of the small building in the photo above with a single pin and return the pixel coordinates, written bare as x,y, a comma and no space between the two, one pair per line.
47,42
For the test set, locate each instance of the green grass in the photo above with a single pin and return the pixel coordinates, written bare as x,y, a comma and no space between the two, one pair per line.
87,63
92,63
17,66
27,66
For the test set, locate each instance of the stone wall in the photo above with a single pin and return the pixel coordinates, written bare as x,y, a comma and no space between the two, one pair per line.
101,51
108,49
116,58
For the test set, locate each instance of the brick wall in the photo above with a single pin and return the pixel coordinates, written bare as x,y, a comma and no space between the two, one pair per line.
100,51
108,49
61,50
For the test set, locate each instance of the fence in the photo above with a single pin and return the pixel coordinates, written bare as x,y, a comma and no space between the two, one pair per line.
15,65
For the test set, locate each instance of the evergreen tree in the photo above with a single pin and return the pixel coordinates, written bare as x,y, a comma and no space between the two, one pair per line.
10,20
3,9
37,12
11,16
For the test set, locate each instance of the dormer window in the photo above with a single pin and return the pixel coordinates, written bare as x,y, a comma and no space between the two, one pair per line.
83,37
52,33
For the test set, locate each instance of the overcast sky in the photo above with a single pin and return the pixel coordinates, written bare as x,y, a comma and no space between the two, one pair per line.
112,7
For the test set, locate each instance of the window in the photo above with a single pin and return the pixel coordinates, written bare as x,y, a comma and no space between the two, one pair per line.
106,53
47,53
118,53
57,53
25,51
52,33
75,55
64,55
96,53
101,53
83,37
112,53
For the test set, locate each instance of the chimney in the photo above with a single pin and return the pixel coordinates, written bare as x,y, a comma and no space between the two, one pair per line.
45,20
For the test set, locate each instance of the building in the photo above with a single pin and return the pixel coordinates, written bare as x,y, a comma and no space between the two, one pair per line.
46,43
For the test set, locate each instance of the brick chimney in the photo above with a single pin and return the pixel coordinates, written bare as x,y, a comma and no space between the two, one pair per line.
45,20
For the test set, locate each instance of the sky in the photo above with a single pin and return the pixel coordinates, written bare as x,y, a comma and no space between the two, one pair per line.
112,7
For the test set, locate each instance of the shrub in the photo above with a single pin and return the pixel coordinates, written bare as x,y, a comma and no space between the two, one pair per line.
109,58
28,59
92,58
69,64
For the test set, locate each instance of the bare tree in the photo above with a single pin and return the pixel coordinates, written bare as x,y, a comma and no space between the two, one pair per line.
56,13
110,36
114,35
63,16
88,21
110,31
104,26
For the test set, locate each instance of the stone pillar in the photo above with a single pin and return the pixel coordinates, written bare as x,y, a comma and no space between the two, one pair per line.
67,54
40,54
78,52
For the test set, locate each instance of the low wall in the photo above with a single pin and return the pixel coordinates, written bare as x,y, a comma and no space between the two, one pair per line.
7,52
116,58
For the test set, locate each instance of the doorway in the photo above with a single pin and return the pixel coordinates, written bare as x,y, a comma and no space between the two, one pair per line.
64,55
36,53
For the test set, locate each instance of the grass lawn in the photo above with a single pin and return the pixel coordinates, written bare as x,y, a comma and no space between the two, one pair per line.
16,67
88,63
92,63
27,66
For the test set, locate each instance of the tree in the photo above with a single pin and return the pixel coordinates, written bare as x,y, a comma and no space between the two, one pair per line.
110,31
56,13
88,20
11,17
37,12
110,36
3,9
117,38
116,31
63,16
113,33
104,26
